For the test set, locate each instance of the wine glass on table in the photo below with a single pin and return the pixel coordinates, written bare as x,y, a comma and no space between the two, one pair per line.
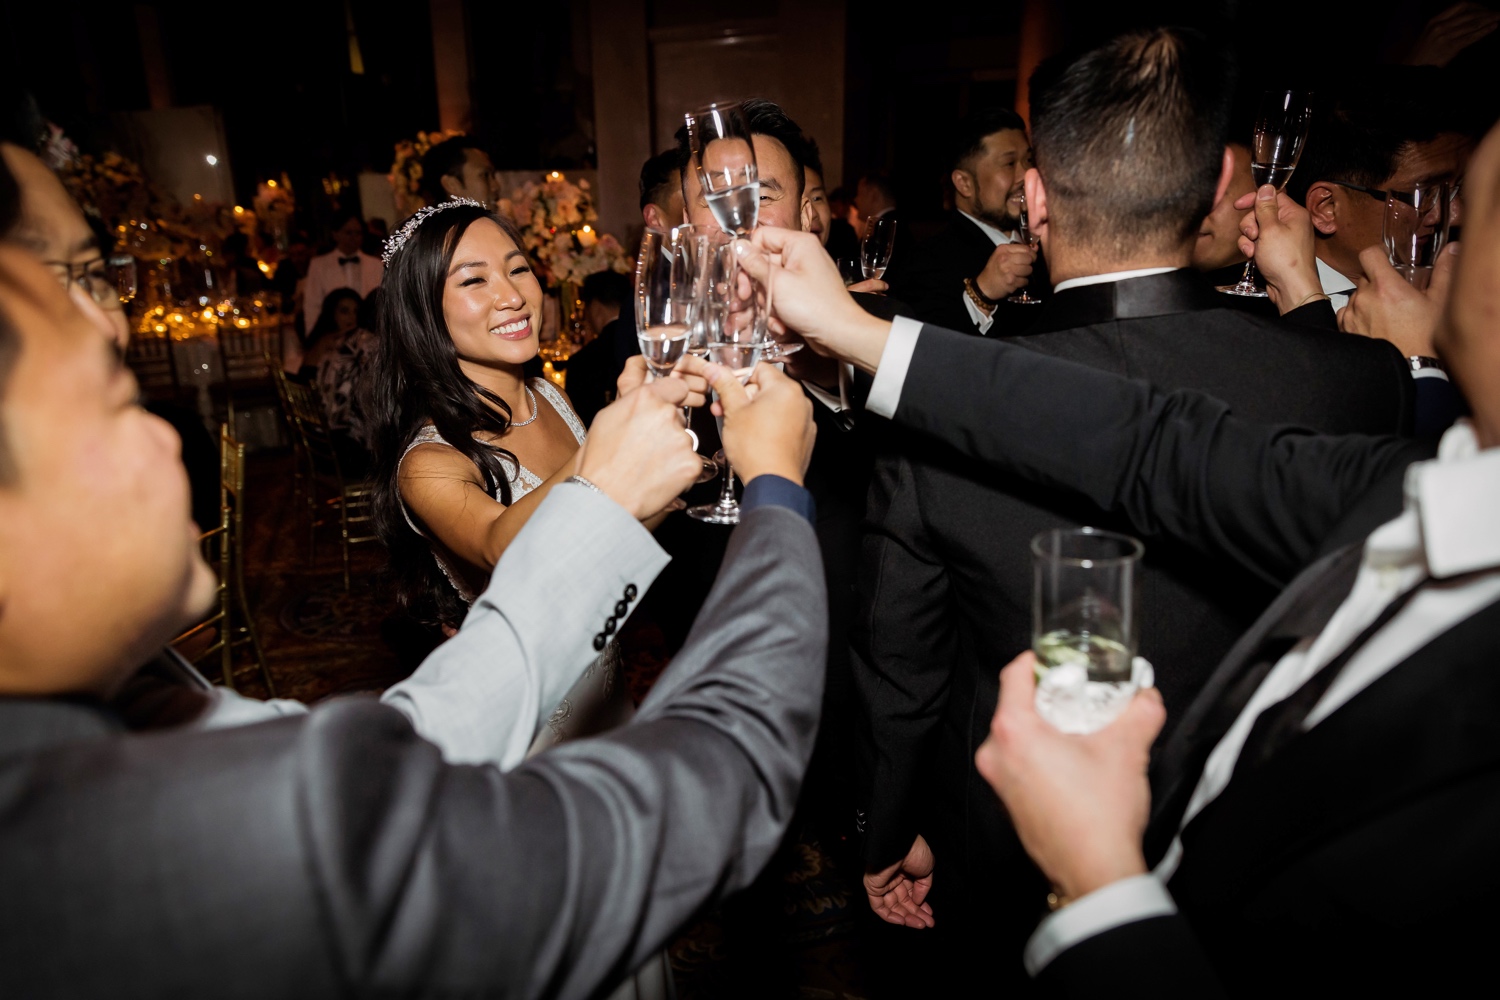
739,311
723,158
1280,133
670,275
1023,297
875,249
1415,229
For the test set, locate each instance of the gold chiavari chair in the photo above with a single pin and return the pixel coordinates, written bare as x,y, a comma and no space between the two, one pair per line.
353,500
154,366
231,617
247,358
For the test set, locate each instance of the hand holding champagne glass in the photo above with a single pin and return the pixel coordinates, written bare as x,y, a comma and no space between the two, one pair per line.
671,276
1032,240
1280,133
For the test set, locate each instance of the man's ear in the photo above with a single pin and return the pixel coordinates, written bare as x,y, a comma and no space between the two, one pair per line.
452,185
1322,205
654,217
1036,205
1226,174
963,182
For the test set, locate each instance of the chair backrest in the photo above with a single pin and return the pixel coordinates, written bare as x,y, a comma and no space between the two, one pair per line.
304,411
244,353
152,361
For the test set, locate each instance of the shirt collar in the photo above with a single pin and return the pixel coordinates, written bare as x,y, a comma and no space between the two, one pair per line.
1104,279
1455,497
1333,282
997,236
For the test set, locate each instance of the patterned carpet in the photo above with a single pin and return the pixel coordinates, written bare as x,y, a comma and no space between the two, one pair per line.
794,933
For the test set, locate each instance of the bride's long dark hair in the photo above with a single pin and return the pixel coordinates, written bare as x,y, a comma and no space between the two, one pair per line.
416,380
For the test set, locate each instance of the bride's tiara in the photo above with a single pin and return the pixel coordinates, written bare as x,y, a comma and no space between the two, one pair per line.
400,236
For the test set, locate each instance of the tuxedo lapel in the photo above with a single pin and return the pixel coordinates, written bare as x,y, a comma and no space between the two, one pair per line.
1302,609
1427,722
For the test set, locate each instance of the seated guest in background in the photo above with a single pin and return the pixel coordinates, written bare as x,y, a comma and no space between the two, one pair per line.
459,168
364,853
874,198
339,355
1385,131
52,226
346,267
661,192
1130,158
594,369
1321,820
961,276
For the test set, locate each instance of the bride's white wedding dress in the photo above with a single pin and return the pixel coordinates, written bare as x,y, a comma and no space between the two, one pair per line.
598,701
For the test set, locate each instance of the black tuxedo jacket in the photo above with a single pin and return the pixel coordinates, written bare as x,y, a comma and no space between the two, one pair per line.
1358,859
946,581
930,279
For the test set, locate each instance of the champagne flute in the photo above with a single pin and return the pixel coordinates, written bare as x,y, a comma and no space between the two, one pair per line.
1415,229
1280,133
671,270
1024,297
723,157
736,340
875,249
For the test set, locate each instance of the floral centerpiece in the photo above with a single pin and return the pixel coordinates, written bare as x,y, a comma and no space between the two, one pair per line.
406,170
559,229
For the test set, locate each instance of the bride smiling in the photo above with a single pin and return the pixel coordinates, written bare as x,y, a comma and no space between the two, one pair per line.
466,447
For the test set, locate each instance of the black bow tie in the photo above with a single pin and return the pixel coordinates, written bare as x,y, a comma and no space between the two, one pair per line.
348,260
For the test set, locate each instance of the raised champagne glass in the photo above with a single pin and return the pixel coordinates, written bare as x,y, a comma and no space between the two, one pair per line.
876,248
670,278
1024,297
1415,229
1280,133
723,159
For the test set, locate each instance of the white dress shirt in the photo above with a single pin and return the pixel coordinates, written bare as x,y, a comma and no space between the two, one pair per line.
483,695
997,237
1335,285
1448,529
327,272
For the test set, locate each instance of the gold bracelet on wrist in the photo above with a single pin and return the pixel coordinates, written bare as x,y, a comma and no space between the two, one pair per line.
1311,298
984,302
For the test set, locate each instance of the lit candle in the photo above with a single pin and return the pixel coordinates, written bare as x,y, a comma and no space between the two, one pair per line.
587,237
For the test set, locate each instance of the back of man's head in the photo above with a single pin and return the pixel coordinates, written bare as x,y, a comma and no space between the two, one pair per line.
608,288
1129,139
968,135
446,159
1358,133
659,178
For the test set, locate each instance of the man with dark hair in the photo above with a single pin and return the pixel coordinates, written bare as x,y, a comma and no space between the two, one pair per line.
661,192
1386,131
780,156
1130,157
594,369
459,168
347,266
961,276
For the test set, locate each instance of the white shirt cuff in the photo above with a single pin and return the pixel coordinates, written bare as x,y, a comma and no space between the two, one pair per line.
1430,373
885,393
981,321
1124,902
825,397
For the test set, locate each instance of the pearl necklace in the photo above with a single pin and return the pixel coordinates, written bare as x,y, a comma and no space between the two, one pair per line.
534,411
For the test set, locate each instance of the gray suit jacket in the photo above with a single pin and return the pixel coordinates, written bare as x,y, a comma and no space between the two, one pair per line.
336,852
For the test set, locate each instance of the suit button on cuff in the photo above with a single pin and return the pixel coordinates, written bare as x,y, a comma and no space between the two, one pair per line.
630,592
609,626
599,641
621,609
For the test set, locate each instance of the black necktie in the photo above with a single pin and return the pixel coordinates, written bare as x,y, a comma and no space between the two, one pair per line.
348,260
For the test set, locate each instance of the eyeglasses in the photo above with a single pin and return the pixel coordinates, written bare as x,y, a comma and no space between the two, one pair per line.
1375,193
109,283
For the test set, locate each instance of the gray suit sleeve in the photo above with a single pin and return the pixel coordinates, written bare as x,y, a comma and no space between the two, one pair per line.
564,874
